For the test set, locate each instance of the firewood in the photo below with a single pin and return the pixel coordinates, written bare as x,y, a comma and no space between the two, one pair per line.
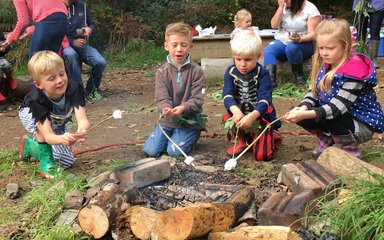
24,84
97,216
256,233
199,219
193,221
141,221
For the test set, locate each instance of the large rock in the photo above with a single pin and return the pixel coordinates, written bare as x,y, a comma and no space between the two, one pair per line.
340,163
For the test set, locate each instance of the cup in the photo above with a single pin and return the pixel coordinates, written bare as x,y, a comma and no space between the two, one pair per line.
80,31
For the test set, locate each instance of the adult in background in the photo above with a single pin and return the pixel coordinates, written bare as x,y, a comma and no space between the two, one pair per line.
376,16
297,21
50,20
81,27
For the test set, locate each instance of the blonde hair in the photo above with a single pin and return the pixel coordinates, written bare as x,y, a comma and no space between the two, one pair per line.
337,29
43,62
178,28
246,43
240,15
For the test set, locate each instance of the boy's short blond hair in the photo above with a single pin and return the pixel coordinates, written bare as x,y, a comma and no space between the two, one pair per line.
43,62
246,43
178,28
240,15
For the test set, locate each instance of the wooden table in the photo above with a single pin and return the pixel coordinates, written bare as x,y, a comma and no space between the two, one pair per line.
217,46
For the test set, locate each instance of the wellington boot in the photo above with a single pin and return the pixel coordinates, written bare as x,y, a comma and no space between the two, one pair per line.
12,82
298,71
2,98
373,51
40,151
348,143
324,141
240,145
271,68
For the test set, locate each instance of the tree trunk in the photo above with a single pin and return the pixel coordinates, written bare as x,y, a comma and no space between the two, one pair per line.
97,216
256,233
193,221
199,219
141,221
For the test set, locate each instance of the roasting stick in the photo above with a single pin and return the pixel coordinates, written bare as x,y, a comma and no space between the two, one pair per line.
231,163
188,159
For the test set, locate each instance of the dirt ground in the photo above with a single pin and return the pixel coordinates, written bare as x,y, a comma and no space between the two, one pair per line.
121,139
132,91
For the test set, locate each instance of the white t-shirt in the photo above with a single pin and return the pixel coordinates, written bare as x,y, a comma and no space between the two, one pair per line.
297,23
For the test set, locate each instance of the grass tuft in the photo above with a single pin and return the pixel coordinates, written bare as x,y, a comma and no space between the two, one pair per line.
359,216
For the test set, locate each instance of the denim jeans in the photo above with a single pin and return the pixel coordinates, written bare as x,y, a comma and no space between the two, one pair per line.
294,52
72,64
157,143
74,56
49,33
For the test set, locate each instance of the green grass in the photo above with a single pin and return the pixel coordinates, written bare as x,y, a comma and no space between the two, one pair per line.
135,107
361,216
137,54
113,164
39,206
256,172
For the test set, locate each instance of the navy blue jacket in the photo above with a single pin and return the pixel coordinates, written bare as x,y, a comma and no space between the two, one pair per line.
256,95
76,18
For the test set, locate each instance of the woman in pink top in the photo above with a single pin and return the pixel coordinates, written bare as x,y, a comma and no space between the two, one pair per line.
50,20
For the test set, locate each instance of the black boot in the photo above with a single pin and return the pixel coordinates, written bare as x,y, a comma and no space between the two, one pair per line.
298,71
372,51
271,68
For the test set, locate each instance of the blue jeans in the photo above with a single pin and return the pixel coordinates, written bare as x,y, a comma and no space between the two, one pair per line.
157,143
295,53
74,56
49,33
72,64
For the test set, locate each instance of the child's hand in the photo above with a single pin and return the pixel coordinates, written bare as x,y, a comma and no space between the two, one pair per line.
177,111
81,135
295,115
247,120
236,117
165,112
68,138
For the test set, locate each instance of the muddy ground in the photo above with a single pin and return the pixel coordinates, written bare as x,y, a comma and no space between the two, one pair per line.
132,91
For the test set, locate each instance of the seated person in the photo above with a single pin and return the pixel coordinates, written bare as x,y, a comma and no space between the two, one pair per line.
297,21
79,50
242,21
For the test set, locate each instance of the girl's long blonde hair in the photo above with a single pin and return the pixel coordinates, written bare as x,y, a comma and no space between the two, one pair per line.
338,29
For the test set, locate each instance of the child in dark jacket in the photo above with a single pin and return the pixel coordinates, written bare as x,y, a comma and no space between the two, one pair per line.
247,93
341,107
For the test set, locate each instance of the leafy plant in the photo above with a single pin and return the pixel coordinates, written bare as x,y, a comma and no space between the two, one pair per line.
217,96
289,90
195,119
358,215
230,128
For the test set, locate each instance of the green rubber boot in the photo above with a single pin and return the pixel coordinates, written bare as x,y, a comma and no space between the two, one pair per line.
40,151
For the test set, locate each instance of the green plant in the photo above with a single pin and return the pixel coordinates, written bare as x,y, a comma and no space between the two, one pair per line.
358,215
138,53
217,96
289,90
